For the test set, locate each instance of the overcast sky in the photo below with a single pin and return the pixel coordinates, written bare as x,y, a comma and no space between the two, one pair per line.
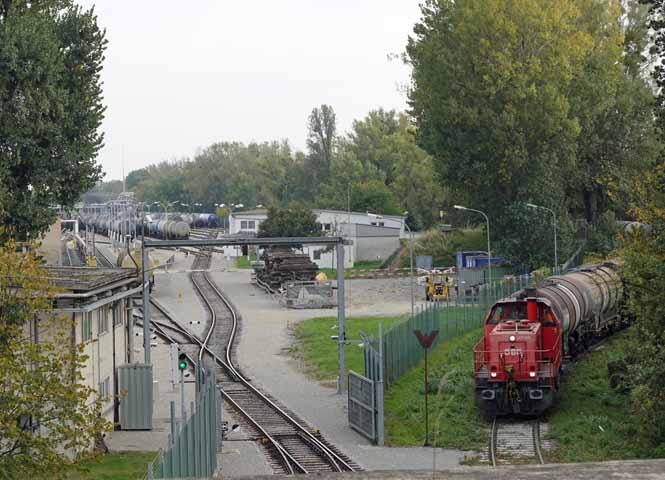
179,76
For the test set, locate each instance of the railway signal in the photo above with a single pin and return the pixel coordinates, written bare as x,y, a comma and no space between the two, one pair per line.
182,361
182,366
426,341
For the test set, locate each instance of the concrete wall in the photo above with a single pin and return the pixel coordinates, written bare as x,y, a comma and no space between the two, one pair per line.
328,259
374,248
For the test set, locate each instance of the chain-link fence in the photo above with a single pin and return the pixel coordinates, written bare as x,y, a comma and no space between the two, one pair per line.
452,317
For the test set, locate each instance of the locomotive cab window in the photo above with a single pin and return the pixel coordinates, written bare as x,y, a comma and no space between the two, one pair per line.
513,311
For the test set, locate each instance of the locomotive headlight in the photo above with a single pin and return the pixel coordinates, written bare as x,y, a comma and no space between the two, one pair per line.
492,374
532,374
512,338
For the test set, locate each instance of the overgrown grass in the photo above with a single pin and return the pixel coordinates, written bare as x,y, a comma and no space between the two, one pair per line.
319,352
593,422
242,262
454,419
113,466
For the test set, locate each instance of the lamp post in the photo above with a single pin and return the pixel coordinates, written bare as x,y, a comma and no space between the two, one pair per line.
489,252
556,253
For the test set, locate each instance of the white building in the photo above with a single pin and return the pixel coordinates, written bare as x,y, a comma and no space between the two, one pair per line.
247,221
331,220
373,237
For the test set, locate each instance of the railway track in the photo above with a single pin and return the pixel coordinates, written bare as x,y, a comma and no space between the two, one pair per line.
514,441
291,445
102,260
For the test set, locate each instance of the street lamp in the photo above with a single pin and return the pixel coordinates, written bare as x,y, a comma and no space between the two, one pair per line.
556,253
489,252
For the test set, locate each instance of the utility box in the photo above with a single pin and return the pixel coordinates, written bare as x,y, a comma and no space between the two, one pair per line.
135,395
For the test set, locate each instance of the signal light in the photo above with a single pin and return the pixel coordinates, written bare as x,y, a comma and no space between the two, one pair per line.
182,361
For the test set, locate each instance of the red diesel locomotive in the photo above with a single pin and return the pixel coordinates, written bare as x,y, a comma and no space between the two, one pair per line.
517,363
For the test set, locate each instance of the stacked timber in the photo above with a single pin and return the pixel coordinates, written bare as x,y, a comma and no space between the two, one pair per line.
282,264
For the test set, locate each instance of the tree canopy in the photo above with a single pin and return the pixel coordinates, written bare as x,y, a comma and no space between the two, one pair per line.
291,221
523,101
376,167
51,52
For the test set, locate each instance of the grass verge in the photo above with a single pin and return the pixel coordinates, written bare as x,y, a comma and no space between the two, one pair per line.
453,416
319,352
113,466
242,262
593,422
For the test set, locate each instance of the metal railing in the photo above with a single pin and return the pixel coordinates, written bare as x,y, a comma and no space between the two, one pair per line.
192,449
546,359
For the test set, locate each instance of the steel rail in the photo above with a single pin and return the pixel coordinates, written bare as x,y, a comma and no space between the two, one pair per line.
535,438
286,457
536,442
334,459
492,447
159,329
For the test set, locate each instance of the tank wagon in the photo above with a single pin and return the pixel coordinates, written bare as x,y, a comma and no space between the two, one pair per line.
517,363
204,220
173,228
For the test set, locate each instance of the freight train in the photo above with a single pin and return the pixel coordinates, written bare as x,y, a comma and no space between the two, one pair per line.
517,363
160,225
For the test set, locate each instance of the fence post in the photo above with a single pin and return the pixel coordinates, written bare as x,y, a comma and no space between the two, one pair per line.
379,393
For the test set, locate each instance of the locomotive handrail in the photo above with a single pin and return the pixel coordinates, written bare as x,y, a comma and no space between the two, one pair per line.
480,356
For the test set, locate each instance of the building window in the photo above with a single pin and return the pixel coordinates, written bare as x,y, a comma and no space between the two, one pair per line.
251,224
104,387
103,320
317,254
86,327
327,227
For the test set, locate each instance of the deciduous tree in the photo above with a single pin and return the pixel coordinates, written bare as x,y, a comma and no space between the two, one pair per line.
295,220
51,54
48,416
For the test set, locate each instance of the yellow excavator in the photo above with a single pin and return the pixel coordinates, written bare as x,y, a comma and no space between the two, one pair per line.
436,287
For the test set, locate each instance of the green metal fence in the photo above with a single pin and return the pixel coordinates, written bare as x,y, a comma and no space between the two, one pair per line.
192,449
453,317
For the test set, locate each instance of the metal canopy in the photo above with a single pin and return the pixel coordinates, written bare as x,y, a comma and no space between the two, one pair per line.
218,242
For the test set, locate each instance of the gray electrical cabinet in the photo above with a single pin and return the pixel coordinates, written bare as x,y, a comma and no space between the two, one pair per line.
135,396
